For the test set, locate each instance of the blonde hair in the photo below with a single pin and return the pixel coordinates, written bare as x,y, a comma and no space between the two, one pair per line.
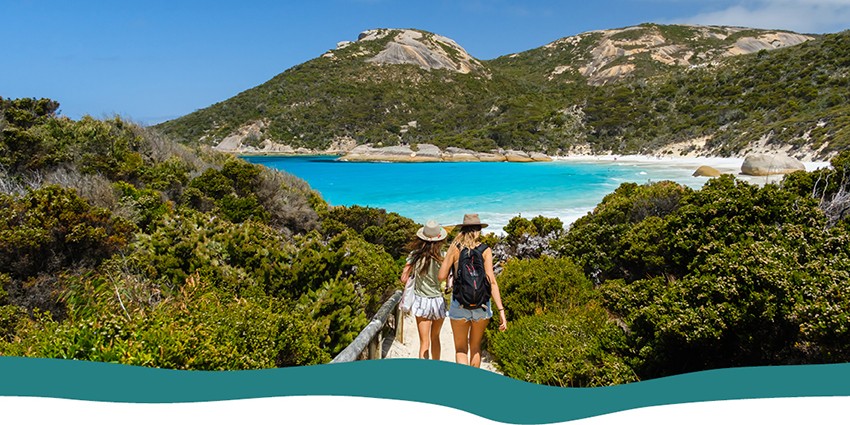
467,238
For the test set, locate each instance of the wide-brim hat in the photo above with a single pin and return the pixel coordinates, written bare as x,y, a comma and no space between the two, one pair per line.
432,232
471,220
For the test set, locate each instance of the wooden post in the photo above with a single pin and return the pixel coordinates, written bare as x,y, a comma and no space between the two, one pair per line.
367,343
399,325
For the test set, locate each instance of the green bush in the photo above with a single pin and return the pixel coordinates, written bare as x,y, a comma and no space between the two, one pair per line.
727,279
595,240
144,207
336,314
199,328
389,230
577,348
52,228
536,286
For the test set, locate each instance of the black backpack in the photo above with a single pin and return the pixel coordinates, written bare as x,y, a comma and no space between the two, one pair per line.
471,286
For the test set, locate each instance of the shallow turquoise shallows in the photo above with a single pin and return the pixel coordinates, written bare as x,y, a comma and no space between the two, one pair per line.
497,191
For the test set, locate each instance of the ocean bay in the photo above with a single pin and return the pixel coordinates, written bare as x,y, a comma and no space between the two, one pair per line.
498,191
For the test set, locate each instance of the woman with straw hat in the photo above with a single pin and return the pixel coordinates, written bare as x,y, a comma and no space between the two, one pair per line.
469,321
429,306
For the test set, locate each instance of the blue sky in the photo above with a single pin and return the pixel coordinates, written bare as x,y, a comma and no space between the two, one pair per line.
153,60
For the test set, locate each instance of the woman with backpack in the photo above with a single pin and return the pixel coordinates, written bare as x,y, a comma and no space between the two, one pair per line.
429,306
474,285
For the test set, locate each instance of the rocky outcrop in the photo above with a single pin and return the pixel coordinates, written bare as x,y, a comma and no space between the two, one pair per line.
706,171
461,155
540,157
769,41
517,156
614,54
425,50
765,165
251,139
429,153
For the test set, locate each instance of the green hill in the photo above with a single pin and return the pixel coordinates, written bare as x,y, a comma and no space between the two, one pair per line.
644,89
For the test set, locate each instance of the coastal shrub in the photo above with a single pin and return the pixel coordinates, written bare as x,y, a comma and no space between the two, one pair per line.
198,328
96,189
537,286
108,147
368,266
726,211
753,303
531,238
53,228
10,316
143,207
830,186
241,258
22,146
335,312
346,257
149,282
241,191
291,204
390,230
729,279
595,240
578,348
169,176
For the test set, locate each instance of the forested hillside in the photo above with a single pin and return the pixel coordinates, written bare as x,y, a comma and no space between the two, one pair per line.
644,89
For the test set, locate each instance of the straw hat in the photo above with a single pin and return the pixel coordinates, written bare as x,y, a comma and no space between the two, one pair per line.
431,232
471,220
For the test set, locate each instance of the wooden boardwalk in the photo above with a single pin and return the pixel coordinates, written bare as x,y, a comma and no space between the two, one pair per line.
410,347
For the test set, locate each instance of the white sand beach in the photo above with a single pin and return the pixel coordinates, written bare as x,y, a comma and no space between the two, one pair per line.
724,165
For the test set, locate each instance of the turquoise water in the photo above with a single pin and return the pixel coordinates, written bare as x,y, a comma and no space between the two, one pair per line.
497,191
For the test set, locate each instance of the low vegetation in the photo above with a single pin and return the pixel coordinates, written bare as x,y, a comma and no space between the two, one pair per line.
660,280
118,245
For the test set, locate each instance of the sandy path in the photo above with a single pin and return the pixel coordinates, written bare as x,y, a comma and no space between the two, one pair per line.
410,347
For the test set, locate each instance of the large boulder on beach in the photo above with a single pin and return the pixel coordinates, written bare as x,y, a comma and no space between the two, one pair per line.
426,150
460,155
766,164
491,157
706,171
540,157
517,156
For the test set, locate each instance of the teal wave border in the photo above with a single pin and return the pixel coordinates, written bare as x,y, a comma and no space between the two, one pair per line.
441,383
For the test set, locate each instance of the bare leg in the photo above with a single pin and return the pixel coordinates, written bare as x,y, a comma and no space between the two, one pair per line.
423,325
475,337
460,331
436,347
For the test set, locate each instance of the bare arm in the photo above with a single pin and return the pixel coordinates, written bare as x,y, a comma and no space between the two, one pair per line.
405,273
494,288
451,258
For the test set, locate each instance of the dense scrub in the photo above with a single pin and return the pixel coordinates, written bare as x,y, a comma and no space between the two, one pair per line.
118,245
686,280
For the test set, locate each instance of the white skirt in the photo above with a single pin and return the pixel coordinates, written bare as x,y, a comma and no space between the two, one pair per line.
429,308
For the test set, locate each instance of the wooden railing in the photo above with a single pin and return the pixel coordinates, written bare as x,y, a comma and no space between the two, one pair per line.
369,343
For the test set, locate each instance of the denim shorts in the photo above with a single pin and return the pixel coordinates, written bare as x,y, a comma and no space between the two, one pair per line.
456,312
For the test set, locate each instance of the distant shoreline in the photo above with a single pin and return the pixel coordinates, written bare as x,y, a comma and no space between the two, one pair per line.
726,165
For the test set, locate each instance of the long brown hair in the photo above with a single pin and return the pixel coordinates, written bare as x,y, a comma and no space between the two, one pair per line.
427,251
